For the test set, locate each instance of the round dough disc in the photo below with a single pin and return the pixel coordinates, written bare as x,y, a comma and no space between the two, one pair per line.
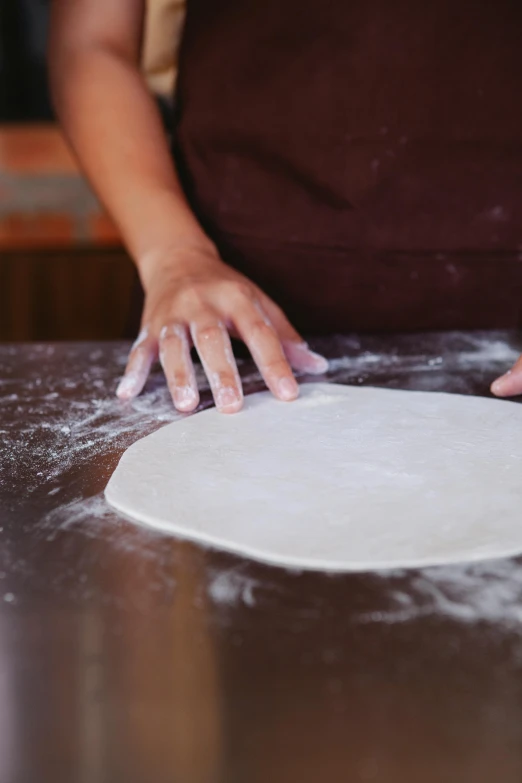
344,479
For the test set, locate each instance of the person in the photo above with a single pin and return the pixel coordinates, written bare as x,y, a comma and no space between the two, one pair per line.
352,165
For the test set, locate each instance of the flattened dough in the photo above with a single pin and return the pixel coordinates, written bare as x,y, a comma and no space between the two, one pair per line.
345,479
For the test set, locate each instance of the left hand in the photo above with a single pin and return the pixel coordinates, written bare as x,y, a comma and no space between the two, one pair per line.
509,384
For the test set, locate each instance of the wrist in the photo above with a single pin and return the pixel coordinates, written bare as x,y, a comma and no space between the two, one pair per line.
160,229
173,256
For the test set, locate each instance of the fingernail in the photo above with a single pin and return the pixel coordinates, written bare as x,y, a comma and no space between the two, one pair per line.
184,397
227,398
287,389
127,387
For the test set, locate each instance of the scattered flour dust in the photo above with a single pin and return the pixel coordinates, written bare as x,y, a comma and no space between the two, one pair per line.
486,592
61,417
58,425
476,353
489,592
231,588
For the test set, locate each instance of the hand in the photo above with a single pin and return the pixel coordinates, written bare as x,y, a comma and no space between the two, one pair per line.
509,384
194,299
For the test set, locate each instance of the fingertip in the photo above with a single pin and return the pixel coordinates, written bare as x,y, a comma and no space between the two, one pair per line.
128,387
231,409
496,388
185,399
508,385
287,389
229,401
319,365
137,371
185,407
302,358
501,389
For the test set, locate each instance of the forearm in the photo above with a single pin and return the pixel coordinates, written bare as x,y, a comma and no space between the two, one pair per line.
115,129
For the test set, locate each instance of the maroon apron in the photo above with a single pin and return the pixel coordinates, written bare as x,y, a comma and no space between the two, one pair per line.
360,160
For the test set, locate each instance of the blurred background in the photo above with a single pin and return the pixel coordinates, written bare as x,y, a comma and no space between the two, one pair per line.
63,272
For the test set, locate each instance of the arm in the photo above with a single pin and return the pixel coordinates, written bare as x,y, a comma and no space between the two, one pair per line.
113,124
114,127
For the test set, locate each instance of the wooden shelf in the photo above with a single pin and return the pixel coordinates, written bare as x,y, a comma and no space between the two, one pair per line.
65,295
45,201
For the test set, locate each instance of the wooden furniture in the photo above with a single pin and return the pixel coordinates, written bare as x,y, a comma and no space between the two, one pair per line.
63,272
129,656
44,199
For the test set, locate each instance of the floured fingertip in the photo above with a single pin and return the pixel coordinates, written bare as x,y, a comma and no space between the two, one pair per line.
130,386
287,389
185,399
503,387
318,364
302,358
228,400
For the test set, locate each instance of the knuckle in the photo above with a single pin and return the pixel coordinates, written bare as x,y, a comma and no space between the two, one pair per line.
193,297
227,380
260,329
209,333
278,367
242,290
270,306
170,331
178,379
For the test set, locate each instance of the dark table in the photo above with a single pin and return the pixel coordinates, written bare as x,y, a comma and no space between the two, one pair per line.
128,656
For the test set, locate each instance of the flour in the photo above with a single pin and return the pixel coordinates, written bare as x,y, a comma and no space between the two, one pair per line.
231,588
478,353
59,422
453,362
60,418
60,432
487,592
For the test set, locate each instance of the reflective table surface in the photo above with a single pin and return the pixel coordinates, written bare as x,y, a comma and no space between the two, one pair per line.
128,656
